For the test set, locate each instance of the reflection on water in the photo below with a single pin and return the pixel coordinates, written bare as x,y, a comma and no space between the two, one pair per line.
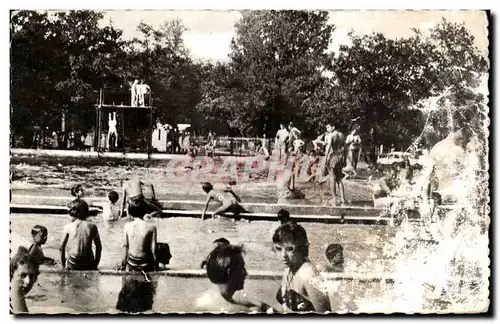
137,294
191,240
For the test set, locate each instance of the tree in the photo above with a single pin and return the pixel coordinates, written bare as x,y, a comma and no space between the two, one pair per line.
278,57
57,61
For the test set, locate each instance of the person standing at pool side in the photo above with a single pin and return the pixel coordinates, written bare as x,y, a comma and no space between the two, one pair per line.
226,270
140,240
281,141
297,293
137,190
228,199
353,142
335,159
79,235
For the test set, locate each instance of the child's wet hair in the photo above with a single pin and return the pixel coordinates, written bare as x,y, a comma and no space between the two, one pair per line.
75,189
332,250
113,196
207,187
292,232
138,208
37,229
78,208
23,257
283,216
163,254
221,240
222,261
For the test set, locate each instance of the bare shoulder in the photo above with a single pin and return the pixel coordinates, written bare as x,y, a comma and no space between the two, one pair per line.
307,271
203,302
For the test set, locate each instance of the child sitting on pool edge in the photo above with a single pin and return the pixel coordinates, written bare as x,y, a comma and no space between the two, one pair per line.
79,235
140,240
39,234
228,199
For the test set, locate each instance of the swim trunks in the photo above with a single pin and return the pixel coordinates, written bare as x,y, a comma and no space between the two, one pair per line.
145,263
80,263
336,163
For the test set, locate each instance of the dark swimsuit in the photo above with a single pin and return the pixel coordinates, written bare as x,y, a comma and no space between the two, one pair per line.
80,263
141,264
294,301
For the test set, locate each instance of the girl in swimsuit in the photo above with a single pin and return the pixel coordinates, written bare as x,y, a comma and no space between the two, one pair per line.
297,293
228,199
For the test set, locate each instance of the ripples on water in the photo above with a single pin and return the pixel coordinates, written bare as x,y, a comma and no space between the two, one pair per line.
190,240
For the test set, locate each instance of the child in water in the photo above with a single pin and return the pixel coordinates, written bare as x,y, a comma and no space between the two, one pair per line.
39,234
110,209
79,235
334,253
228,199
77,191
23,275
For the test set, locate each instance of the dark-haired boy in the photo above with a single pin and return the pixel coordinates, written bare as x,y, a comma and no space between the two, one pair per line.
78,236
140,240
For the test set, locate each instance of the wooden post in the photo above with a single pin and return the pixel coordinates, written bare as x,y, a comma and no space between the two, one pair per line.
123,131
150,133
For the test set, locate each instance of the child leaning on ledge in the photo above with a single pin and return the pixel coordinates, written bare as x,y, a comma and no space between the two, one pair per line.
39,234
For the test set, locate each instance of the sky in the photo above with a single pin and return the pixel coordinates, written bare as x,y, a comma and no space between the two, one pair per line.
209,33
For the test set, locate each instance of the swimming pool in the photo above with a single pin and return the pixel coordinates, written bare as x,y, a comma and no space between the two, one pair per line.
190,241
92,292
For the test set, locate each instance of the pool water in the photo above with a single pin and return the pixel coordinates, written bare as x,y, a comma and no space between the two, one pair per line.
191,240
92,292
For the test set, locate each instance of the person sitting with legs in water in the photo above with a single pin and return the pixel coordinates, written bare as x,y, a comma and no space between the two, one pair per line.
79,235
136,190
228,200
226,271
23,275
140,240
297,292
39,234
384,186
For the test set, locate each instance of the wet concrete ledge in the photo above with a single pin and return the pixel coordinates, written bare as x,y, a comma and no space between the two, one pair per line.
330,219
202,273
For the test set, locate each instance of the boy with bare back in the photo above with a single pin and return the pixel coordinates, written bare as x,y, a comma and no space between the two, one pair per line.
335,155
140,239
78,236
136,190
